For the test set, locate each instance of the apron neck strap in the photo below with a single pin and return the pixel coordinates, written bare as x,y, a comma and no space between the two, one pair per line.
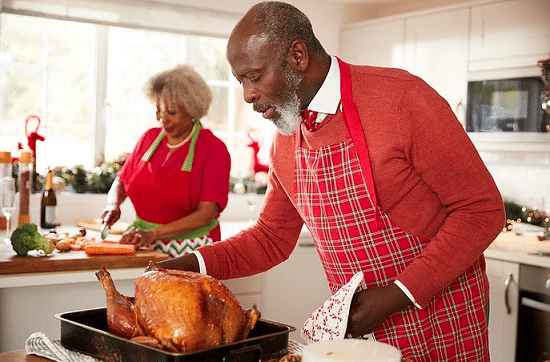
188,163
355,128
191,154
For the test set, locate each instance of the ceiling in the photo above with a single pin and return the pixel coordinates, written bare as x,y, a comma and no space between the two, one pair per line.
372,2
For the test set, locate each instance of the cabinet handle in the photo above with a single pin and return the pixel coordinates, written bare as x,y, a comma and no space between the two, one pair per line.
458,105
507,283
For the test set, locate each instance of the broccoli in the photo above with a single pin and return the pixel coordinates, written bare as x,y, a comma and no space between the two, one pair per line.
26,237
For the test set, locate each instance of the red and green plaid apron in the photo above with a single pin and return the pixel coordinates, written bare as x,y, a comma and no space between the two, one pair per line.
334,193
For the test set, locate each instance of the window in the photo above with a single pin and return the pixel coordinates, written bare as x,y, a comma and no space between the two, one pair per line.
85,83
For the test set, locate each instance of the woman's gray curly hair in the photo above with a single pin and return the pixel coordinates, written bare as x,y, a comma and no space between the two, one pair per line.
182,86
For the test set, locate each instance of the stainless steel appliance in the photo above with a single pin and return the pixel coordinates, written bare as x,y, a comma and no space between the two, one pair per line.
533,334
506,105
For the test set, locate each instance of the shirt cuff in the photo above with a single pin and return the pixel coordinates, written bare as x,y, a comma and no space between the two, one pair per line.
202,266
406,291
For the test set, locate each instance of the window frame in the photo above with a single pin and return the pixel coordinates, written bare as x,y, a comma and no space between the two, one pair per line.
234,135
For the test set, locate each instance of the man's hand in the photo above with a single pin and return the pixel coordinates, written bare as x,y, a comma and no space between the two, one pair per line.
371,307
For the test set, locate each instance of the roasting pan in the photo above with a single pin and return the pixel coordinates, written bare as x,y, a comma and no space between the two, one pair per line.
86,331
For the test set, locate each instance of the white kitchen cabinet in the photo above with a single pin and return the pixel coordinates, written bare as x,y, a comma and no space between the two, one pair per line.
503,314
432,45
29,302
509,34
293,290
436,49
378,43
246,290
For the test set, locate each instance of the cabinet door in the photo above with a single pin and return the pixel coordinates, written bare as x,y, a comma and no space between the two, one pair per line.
436,49
503,314
509,34
247,290
378,43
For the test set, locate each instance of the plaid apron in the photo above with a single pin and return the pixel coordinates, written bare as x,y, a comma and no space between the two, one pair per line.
334,193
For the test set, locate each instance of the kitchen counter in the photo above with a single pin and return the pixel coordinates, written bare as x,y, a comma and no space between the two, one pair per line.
522,249
10,263
70,267
34,289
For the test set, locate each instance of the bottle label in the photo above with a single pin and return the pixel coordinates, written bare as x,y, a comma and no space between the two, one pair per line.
49,216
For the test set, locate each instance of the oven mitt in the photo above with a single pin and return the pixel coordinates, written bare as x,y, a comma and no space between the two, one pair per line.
39,344
330,321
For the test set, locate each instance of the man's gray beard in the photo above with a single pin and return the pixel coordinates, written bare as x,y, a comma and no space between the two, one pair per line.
289,116
289,112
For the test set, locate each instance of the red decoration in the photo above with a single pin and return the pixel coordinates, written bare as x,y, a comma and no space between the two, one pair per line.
255,144
33,136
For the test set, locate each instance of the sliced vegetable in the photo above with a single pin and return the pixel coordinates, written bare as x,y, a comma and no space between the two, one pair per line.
109,249
63,245
76,247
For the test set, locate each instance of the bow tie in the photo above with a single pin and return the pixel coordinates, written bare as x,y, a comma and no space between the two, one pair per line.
308,119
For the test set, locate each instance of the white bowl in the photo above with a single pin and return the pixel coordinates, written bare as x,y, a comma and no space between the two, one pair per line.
350,350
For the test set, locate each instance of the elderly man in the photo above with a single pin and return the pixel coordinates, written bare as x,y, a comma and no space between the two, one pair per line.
384,177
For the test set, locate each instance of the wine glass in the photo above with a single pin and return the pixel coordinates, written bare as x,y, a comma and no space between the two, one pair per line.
8,203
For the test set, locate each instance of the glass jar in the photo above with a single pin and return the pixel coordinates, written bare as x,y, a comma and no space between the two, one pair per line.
6,166
24,177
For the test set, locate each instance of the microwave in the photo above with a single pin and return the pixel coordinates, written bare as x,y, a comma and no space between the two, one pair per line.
506,105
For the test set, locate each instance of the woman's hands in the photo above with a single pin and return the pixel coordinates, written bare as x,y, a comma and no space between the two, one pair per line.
115,197
110,214
139,237
205,213
371,307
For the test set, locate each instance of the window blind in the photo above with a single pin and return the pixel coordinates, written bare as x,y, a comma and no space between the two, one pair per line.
159,15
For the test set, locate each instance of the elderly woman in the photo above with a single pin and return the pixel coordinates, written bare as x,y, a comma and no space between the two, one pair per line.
177,176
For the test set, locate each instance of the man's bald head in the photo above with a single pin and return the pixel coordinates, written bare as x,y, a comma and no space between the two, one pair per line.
281,24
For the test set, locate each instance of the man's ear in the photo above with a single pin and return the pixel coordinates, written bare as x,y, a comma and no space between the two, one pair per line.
298,56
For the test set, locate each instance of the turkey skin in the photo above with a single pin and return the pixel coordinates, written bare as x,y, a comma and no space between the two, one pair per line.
178,311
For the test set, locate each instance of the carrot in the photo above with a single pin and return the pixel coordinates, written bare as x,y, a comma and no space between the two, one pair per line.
109,249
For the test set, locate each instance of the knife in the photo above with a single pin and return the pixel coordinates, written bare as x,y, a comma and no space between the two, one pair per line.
104,230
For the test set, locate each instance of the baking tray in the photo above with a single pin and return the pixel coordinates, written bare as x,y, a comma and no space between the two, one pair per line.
86,331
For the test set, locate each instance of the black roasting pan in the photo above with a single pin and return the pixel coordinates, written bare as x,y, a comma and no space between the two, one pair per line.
86,331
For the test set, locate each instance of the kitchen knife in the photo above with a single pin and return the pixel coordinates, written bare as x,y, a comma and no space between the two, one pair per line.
104,230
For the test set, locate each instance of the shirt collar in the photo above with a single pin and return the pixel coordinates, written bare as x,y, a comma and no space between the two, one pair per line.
328,96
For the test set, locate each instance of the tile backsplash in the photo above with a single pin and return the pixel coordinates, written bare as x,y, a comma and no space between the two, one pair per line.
522,177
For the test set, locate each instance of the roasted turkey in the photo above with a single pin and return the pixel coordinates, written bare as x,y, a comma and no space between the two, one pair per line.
178,311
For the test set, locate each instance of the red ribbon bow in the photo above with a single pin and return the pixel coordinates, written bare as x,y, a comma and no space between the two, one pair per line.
33,136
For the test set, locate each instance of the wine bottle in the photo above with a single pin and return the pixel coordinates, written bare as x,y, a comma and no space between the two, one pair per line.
48,204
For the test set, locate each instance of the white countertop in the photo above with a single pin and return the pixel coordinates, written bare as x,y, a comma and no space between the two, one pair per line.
509,246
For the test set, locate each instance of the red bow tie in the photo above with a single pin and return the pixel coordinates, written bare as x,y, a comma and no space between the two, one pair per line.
309,118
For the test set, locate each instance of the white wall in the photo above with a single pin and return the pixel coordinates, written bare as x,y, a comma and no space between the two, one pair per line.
521,177
327,17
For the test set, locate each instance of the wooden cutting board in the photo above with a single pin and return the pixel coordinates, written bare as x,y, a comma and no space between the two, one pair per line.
75,260
118,227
